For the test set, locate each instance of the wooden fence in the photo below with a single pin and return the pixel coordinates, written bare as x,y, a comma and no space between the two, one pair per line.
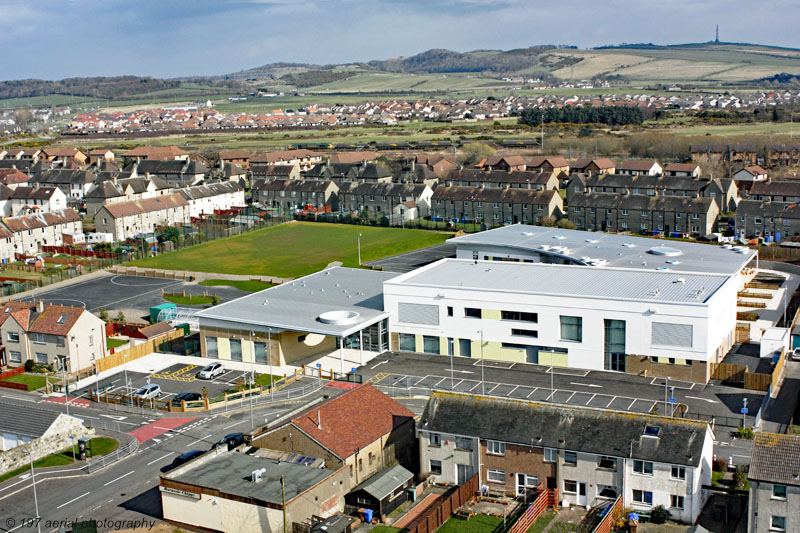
438,513
79,252
750,380
547,498
777,372
135,352
12,373
160,274
609,520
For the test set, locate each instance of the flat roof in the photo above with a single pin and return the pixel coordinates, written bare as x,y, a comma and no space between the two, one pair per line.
354,295
230,473
565,280
612,249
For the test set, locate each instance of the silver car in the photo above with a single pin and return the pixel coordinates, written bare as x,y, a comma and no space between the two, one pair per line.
148,391
211,371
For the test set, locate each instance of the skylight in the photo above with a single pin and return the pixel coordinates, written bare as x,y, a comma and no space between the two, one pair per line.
61,319
651,431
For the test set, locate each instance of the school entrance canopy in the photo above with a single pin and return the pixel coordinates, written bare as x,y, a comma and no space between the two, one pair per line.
334,310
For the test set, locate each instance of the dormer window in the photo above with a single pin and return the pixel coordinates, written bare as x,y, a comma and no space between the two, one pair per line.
651,431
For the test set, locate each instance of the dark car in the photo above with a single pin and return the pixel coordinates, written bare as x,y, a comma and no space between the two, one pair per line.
186,457
231,440
186,397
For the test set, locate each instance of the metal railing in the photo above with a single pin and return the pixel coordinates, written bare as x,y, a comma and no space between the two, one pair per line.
96,464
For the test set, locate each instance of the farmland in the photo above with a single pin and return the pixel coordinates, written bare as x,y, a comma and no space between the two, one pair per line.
295,249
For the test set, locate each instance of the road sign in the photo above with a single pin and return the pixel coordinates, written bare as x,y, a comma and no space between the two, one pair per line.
743,410
672,400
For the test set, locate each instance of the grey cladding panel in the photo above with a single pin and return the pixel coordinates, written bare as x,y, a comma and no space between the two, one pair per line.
419,314
664,334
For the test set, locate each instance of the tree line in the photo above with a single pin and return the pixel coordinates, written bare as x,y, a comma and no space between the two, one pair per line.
612,115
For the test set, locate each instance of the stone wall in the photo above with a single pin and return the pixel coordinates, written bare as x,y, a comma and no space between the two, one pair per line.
55,439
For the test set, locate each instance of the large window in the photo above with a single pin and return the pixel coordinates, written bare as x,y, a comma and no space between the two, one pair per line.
496,476
472,312
407,342
643,496
550,455
436,467
464,443
779,492
236,349
570,458
614,345
666,334
777,523
430,344
571,328
678,472
570,486
676,501
434,439
607,462
211,348
41,357
38,338
519,316
643,467
260,349
15,357
13,336
496,447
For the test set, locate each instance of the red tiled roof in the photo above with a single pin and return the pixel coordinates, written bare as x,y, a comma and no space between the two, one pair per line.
353,420
56,320
636,164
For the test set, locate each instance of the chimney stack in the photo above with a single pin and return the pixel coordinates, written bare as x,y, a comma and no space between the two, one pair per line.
39,306
319,420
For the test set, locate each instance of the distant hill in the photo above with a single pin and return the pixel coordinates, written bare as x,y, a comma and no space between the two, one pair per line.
639,63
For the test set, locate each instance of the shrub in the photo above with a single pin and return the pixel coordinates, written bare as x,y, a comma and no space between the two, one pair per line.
29,365
745,433
659,514
719,465
740,478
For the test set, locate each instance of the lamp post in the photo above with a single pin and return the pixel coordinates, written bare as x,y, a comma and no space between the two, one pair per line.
125,368
552,382
252,379
359,249
666,395
483,382
35,497
66,390
271,376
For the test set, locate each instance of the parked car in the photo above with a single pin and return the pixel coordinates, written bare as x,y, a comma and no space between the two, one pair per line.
211,371
186,397
148,391
186,457
795,354
231,440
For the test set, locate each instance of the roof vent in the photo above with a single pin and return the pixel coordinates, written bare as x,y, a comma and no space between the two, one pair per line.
255,475
664,250
629,245
559,237
682,281
527,233
338,318
591,241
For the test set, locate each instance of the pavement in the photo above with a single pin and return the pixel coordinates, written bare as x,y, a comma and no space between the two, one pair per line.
412,260
114,292
780,410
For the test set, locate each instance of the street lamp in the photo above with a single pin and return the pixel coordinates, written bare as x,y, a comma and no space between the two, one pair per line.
483,382
252,378
35,498
359,249
666,395
271,375
66,390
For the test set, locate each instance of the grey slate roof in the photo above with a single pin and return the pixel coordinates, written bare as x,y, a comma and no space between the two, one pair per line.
229,473
27,421
61,176
579,429
384,483
210,189
776,459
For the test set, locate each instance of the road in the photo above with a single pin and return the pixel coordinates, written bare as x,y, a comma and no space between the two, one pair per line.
127,490
406,375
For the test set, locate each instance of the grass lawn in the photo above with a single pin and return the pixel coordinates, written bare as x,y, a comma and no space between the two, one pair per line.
114,343
542,522
480,523
99,446
564,527
189,300
386,529
241,284
265,379
294,249
33,381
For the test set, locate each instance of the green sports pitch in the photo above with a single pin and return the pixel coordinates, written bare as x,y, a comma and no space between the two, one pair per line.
294,249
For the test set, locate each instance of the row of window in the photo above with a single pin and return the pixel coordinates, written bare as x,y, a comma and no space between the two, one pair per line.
495,205
41,338
625,212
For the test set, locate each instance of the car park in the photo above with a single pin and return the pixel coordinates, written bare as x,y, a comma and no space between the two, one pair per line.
211,371
186,397
148,392
231,440
186,457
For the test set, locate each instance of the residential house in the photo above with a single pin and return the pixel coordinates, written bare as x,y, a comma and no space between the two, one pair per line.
682,170
32,232
748,175
64,337
13,177
73,183
774,221
116,190
101,154
217,196
774,499
233,172
66,156
373,173
235,157
417,174
362,429
495,206
384,492
643,214
638,167
590,455
125,220
304,159
335,172
440,164
30,200
290,195
593,166
775,191
382,199
275,172
176,172
350,158
543,163
518,179
141,153
502,163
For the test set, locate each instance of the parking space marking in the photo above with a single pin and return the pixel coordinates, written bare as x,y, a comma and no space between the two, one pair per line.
570,397
512,390
478,384
534,390
438,382
457,384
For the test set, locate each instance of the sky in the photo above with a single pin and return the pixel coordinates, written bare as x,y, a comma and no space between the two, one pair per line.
54,39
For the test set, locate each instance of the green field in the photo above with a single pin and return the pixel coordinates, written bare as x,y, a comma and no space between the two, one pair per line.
480,523
247,285
197,299
115,343
294,249
33,381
